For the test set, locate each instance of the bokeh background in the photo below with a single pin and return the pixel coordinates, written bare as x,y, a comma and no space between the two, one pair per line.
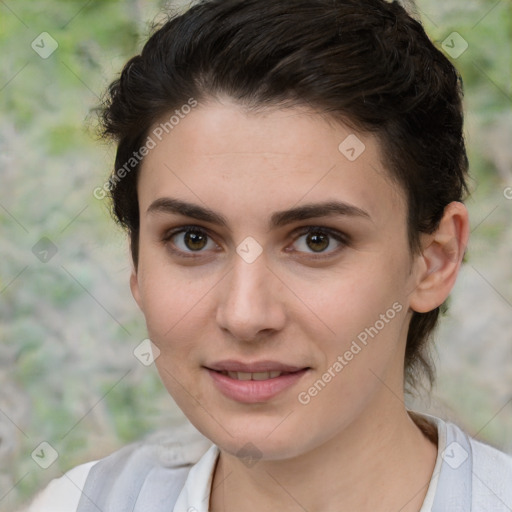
68,324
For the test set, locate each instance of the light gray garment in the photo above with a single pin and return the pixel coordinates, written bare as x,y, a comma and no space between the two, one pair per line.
175,476
143,477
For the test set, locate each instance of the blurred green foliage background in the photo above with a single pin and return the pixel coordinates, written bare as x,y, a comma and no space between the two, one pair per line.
69,326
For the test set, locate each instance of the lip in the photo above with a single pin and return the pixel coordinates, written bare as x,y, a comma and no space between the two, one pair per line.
231,365
254,391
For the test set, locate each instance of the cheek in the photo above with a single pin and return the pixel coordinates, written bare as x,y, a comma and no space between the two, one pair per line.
359,327
179,314
175,312
171,296
350,300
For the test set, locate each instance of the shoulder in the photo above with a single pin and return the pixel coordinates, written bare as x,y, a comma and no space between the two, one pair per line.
489,472
469,474
62,494
492,475
488,458
166,456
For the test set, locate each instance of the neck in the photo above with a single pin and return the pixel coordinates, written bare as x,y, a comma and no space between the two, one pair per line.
383,450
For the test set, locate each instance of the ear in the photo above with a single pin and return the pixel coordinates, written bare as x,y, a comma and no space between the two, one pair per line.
441,258
134,287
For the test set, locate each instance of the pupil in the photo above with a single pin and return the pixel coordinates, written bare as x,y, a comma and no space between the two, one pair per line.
321,240
195,240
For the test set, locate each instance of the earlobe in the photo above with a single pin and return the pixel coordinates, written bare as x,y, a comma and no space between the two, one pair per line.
441,259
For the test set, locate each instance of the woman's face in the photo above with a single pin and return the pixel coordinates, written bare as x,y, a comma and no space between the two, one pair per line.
273,243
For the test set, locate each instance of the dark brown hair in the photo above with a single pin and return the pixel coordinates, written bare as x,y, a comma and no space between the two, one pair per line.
367,63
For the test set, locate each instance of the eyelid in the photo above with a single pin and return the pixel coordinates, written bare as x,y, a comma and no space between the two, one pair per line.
169,233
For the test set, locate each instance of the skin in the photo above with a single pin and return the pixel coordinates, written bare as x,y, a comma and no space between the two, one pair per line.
287,306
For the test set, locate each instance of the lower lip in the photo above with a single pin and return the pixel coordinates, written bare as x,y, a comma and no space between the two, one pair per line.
254,391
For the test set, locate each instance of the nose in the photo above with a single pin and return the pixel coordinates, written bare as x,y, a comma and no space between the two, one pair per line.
251,302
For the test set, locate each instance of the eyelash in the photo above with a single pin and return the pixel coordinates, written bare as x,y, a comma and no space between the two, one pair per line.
336,235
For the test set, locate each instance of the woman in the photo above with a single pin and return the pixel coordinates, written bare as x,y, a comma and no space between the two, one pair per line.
291,176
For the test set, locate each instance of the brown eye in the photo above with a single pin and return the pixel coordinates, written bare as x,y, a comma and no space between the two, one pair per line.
195,240
318,242
317,239
187,240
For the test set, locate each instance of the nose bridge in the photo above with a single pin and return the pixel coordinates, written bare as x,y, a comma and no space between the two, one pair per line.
250,302
250,281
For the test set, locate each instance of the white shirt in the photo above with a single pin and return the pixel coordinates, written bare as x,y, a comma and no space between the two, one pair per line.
189,465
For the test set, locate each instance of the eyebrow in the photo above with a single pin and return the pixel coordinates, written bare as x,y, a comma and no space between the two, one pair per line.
278,219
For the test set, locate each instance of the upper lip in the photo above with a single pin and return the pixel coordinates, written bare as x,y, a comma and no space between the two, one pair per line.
230,365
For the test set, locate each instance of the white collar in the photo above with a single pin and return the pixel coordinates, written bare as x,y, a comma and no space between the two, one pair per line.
195,495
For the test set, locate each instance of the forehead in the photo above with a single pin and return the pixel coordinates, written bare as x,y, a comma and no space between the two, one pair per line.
220,155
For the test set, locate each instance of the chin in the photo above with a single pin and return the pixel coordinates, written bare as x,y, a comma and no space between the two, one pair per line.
254,439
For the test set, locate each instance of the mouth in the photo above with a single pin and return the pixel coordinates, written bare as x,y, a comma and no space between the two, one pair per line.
254,368
254,382
255,375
